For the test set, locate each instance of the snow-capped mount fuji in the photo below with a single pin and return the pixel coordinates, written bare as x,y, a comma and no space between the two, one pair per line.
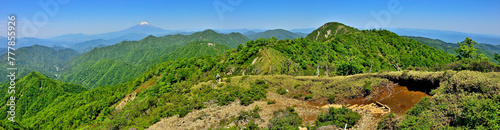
144,23
146,28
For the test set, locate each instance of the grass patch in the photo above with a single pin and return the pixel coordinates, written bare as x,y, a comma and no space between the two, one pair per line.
281,91
308,96
271,102
297,95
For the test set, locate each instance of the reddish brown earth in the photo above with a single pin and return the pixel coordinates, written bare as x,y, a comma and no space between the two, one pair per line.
398,98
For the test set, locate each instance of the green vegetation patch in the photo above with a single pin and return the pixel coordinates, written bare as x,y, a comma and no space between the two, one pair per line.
285,120
338,117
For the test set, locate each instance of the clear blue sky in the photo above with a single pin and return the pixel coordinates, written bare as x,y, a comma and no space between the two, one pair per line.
99,16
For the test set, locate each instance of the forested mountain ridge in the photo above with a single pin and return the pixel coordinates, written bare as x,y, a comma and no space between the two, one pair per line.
126,60
330,29
89,45
186,85
348,51
151,47
278,33
232,39
38,58
34,93
362,52
196,49
436,43
487,49
308,71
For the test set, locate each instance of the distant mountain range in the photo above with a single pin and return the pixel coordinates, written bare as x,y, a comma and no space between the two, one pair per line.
278,33
140,31
121,62
39,58
3,49
485,49
85,42
447,36
302,32
171,79
242,31
249,32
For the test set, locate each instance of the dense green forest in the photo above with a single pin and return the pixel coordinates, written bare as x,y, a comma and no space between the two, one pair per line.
35,93
136,84
89,45
328,30
38,58
126,60
197,49
343,54
278,33
485,49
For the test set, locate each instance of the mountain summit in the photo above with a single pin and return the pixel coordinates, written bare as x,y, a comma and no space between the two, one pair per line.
278,33
144,23
330,29
146,28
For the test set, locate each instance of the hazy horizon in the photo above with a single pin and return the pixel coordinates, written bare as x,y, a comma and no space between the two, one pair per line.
55,18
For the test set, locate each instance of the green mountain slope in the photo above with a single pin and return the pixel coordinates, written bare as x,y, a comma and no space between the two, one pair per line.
151,47
341,53
196,49
35,92
74,110
89,45
101,72
436,43
232,39
175,88
330,29
486,49
278,33
126,60
38,58
359,52
489,48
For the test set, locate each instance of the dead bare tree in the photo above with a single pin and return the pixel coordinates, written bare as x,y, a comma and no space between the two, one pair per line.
317,70
326,70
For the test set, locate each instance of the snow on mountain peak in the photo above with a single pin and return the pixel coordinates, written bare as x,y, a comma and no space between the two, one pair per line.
144,23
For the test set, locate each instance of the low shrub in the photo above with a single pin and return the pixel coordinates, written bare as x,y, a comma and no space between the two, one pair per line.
308,96
338,117
285,120
228,79
368,87
331,98
388,122
297,95
271,102
281,91
296,86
